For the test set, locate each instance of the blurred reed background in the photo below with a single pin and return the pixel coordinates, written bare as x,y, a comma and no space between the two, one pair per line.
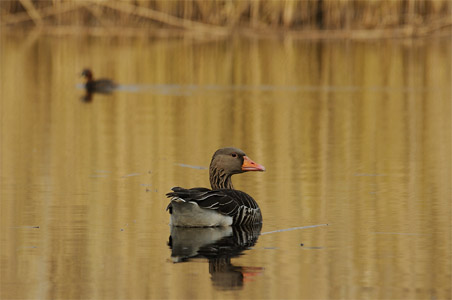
304,17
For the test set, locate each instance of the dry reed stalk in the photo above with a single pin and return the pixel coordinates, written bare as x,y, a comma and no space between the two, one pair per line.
235,14
44,13
31,10
164,18
254,13
271,13
204,10
188,9
97,12
288,13
306,13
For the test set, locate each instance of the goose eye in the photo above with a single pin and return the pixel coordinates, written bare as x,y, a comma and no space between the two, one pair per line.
234,154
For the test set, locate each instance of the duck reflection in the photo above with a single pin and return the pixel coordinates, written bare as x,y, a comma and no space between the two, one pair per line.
218,245
88,97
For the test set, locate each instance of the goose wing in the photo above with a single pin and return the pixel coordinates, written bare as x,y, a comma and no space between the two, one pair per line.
236,204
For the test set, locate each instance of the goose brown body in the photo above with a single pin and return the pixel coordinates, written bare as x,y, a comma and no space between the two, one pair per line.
222,205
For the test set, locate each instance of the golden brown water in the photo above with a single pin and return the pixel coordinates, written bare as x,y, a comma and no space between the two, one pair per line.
356,135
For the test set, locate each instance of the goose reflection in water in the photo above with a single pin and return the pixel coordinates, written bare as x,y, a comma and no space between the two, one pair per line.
218,245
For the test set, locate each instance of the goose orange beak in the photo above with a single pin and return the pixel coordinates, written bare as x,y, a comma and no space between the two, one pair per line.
249,165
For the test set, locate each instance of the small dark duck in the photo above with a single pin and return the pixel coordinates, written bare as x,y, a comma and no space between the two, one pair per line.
103,86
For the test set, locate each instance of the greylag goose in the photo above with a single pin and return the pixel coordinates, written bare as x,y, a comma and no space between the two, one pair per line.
222,205
97,86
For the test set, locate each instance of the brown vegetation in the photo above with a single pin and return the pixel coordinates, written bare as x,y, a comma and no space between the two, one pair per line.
304,18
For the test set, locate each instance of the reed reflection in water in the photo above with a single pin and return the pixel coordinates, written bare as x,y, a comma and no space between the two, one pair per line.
218,245
353,134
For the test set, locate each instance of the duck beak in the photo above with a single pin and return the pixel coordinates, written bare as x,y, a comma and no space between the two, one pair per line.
249,165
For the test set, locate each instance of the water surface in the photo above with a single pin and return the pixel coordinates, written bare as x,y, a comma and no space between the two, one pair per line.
356,135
